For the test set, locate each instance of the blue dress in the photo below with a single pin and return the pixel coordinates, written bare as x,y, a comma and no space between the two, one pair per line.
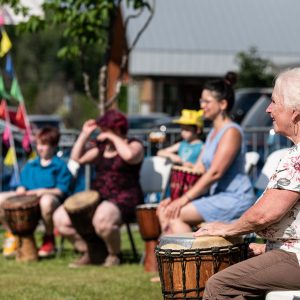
228,198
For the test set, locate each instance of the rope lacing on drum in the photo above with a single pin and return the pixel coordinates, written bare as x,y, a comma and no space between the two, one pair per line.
183,273
217,261
198,262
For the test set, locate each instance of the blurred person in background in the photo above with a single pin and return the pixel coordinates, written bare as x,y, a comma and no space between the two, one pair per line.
117,161
47,177
186,152
224,191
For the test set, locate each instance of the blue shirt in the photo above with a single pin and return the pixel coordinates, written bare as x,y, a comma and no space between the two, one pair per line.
55,175
189,152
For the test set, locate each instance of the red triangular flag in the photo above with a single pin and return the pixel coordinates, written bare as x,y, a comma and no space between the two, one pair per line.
20,116
3,110
6,136
26,142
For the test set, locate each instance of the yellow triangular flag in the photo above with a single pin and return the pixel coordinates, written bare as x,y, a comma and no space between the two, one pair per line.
10,158
5,44
32,155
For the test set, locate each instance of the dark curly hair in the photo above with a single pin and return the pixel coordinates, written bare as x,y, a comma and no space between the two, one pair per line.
114,120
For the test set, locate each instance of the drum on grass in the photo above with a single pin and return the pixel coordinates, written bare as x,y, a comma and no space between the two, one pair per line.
150,231
81,208
182,179
185,263
22,214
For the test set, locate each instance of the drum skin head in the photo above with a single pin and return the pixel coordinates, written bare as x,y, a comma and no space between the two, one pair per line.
20,201
81,200
188,241
186,170
147,206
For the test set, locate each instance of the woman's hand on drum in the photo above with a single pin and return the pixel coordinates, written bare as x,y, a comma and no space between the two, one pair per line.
256,249
162,205
188,164
213,228
37,192
21,191
199,167
172,211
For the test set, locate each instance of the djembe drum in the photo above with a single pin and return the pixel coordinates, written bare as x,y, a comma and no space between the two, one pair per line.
22,214
150,231
81,208
182,179
185,263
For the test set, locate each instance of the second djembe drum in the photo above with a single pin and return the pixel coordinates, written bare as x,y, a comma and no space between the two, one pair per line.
81,208
22,214
182,179
185,263
150,230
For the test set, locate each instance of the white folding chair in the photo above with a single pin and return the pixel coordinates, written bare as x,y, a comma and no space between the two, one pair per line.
283,295
154,178
269,168
251,160
155,175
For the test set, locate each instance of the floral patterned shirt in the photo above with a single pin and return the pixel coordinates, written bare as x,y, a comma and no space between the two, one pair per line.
285,234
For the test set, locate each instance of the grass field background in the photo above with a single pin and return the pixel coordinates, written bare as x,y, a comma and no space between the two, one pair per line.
51,279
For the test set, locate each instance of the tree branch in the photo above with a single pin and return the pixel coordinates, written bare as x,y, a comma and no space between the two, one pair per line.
126,53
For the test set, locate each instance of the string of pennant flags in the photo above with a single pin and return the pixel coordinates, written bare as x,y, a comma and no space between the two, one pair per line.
12,117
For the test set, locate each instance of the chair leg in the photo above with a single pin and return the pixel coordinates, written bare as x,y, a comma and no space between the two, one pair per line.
61,246
135,253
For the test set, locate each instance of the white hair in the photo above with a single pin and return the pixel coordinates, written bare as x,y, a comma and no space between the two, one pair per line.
288,86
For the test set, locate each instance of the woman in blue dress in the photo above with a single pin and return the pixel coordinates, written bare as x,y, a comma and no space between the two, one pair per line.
224,191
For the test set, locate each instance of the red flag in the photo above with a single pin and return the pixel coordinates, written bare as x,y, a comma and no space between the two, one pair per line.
6,136
3,109
26,142
20,116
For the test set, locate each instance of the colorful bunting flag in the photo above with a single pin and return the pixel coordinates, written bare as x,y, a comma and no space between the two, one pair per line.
32,155
15,90
6,136
20,116
26,142
10,158
5,43
14,180
9,67
2,21
3,109
3,93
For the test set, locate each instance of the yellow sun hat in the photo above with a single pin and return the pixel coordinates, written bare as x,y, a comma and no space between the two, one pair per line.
191,117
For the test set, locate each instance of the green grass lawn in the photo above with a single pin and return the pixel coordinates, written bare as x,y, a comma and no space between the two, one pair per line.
52,279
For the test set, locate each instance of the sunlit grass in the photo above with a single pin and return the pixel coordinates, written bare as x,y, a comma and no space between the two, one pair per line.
52,279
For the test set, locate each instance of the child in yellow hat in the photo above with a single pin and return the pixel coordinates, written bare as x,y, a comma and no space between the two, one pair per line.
186,151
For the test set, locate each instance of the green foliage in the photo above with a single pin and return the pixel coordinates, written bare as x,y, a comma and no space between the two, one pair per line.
86,22
84,28
254,71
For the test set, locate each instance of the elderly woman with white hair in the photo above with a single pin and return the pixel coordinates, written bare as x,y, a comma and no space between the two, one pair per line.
275,216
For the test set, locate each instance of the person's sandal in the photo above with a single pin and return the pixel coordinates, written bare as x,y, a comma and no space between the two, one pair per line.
84,260
155,279
112,260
